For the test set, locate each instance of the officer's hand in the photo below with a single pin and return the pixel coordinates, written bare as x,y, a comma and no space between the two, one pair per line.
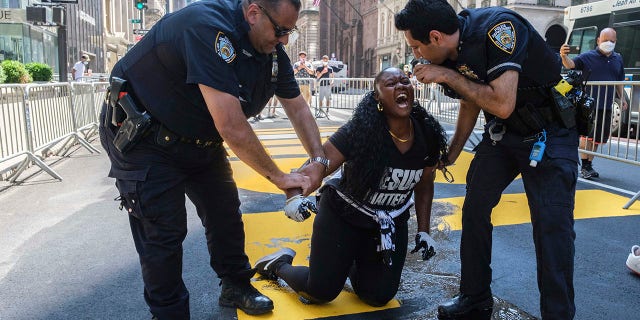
316,172
564,50
292,180
299,208
426,243
428,73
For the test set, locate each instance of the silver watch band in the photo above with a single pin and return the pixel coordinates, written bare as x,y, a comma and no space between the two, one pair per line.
323,161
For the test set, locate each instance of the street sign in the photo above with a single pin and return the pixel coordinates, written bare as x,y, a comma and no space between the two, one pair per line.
135,20
140,31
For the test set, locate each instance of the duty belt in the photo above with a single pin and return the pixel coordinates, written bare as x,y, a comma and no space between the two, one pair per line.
164,136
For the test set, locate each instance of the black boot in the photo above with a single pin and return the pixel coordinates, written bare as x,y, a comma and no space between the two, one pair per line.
467,307
242,295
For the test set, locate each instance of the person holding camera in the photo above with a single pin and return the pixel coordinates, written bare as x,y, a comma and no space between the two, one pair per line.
324,77
303,70
387,151
600,64
494,61
215,64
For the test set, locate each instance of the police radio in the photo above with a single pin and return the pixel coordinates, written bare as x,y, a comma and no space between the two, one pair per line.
573,104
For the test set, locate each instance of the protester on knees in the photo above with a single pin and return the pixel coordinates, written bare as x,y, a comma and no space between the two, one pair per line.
494,61
360,231
599,64
170,144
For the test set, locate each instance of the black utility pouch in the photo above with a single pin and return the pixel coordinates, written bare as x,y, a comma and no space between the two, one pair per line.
133,128
584,116
564,109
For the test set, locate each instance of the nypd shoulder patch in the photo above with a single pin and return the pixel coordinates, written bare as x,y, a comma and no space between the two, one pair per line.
503,36
224,48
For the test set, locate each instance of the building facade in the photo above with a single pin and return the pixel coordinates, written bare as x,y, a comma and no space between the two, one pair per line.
362,33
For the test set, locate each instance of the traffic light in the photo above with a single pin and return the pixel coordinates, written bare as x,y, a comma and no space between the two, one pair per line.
141,4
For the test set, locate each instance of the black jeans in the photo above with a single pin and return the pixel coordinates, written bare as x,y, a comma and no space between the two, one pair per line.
550,189
340,249
152,180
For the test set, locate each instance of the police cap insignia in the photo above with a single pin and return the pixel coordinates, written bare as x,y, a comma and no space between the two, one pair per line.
224,48
503,36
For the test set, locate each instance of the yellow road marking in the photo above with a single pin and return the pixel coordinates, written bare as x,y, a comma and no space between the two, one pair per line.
267,233
514,209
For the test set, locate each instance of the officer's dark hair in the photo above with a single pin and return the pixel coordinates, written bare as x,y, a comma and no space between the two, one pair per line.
422,16
370,127
274,4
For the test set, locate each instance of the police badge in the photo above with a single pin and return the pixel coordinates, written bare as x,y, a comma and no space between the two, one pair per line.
224,48
503,36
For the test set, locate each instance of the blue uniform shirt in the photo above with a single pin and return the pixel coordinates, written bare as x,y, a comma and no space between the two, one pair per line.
494,40
599,67
204,43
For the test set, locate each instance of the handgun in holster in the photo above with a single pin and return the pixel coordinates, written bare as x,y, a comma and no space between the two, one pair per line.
134,124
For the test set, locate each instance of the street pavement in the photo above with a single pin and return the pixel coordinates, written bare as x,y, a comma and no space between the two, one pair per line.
66,250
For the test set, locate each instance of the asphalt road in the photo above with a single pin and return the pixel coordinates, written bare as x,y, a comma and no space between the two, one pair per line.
66,251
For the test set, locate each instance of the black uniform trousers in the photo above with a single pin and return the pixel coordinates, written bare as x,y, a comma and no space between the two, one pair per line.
550,189
153,179
342,247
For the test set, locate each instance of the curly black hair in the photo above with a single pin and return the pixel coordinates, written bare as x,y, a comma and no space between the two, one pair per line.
362,173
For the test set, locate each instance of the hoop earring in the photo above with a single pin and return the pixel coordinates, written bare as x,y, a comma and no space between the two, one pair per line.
380,108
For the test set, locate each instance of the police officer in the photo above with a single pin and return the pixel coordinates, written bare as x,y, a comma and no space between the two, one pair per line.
200,73
496,62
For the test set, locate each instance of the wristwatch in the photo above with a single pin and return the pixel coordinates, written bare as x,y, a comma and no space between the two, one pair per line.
323,161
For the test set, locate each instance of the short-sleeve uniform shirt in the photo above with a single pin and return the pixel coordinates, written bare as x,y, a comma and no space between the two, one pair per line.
204,43
494,40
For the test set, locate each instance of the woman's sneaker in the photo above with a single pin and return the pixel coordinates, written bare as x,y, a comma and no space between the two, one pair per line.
633,261
269,264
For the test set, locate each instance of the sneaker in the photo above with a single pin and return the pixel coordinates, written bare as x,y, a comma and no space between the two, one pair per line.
268,265
633,261
587,172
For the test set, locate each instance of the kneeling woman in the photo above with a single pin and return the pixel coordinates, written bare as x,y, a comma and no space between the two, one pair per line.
390,148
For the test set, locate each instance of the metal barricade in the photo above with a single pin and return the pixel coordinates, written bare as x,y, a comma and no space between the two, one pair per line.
40,120
616,126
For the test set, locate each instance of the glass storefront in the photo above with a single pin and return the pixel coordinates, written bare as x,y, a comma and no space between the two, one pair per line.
27,43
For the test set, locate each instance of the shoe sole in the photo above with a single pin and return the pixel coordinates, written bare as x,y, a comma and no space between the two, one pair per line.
477,314
273,256
231,304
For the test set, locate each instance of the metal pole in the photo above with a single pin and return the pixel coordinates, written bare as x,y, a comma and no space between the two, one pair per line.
62,52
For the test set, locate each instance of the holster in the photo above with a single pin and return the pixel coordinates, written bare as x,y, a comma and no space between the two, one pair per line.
115,114
136,123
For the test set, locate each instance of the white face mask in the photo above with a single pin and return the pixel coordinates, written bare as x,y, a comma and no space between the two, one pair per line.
85,62
325,63
607,46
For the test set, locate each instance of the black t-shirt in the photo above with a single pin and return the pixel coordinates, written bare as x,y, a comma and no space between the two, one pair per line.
204,43
403,171
325,75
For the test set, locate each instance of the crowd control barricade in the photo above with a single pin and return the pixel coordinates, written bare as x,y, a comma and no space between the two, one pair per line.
16,148
623,141
40,120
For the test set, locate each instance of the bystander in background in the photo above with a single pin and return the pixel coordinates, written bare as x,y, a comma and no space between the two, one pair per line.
599,64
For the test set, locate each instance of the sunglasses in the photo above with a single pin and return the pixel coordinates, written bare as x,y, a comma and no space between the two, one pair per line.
280,31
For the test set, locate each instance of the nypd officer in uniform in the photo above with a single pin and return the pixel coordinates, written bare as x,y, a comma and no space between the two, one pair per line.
199,74
496,62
